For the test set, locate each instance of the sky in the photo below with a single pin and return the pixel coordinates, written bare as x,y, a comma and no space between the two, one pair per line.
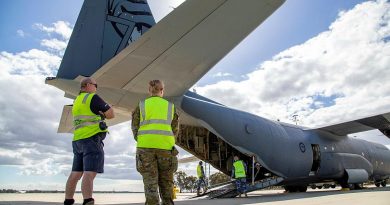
326,61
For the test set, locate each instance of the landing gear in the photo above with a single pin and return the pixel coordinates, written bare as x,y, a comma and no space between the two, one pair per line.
292,189
380,183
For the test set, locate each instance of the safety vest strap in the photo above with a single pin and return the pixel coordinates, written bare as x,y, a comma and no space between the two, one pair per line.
155,132
148,122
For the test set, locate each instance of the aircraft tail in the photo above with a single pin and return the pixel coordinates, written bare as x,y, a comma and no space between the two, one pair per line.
102,30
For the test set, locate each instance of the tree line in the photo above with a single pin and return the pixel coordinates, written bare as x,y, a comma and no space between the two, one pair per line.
189,183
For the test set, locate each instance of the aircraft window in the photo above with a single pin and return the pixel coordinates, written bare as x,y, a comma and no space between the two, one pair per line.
325,148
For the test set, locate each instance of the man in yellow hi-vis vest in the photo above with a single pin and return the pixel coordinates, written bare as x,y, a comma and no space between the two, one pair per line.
201,178
154,126
89,111
239,173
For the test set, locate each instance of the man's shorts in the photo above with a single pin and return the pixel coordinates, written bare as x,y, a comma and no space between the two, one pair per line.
89,154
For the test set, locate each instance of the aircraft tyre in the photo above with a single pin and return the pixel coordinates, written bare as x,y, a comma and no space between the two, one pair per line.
304,188
333,186
383,183
292,189
377,184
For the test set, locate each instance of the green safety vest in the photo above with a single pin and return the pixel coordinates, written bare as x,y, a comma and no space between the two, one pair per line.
85,122
239,169
155,129
199,171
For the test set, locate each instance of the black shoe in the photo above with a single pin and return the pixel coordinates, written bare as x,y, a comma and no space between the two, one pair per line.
69,202
89,201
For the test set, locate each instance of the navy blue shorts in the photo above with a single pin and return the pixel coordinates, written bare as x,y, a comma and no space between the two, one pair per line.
89,154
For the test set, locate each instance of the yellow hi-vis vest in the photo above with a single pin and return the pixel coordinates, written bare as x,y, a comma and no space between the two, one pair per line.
155,129
199,171
85,122
239,169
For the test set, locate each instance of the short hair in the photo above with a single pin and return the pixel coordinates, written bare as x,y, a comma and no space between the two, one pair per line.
85,81
156,86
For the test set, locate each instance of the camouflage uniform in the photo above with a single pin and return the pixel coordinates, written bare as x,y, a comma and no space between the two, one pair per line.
156,166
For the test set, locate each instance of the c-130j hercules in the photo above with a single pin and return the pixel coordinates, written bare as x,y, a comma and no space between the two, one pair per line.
118,43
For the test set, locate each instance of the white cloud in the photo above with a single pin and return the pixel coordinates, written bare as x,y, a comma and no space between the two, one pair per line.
54,44
62,28
341,74
21,33
221,74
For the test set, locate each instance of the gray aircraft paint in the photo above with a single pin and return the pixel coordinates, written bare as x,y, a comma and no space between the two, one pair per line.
286,149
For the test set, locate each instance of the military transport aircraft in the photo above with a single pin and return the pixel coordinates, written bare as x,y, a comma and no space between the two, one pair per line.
118,43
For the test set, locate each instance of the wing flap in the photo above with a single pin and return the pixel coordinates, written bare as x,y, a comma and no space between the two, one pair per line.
380,122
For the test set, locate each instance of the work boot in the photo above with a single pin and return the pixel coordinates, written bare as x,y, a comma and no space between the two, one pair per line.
246,195
69,202
89,201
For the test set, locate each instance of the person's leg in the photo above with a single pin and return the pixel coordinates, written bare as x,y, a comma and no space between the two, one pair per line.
147,166
87,184
77,172
93,160
167,165
71,184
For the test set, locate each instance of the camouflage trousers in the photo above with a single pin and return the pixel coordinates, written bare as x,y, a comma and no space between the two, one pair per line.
157,167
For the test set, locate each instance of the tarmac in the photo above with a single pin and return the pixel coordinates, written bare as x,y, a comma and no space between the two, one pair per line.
367,196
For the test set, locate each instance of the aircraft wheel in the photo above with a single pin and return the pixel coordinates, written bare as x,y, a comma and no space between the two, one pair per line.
302,188
313,186
291,189
333,186
358,186
383,183
319,187
377,184
352,186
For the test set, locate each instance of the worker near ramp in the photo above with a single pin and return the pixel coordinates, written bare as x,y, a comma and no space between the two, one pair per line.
89,112
201,178
154,124
239,173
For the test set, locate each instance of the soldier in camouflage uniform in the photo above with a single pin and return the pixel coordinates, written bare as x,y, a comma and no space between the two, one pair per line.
155,162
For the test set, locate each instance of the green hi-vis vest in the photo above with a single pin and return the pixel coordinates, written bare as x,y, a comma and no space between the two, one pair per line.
199,171
85,122
155,129
239,169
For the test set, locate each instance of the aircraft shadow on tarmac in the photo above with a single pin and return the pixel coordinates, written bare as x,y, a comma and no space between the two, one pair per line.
252,199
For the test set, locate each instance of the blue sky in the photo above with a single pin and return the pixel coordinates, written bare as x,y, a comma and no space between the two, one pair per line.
307,59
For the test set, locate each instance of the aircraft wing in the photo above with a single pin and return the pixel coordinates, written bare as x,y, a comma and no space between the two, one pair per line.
184,45
380,122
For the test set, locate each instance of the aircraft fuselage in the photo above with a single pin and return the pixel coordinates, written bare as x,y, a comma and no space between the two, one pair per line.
295,153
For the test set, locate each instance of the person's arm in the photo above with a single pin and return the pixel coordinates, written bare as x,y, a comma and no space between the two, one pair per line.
175,124
109,114
98,106
135,119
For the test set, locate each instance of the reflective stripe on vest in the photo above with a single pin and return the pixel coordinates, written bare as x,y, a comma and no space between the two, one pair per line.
155,130
239,169
199,171
86,123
